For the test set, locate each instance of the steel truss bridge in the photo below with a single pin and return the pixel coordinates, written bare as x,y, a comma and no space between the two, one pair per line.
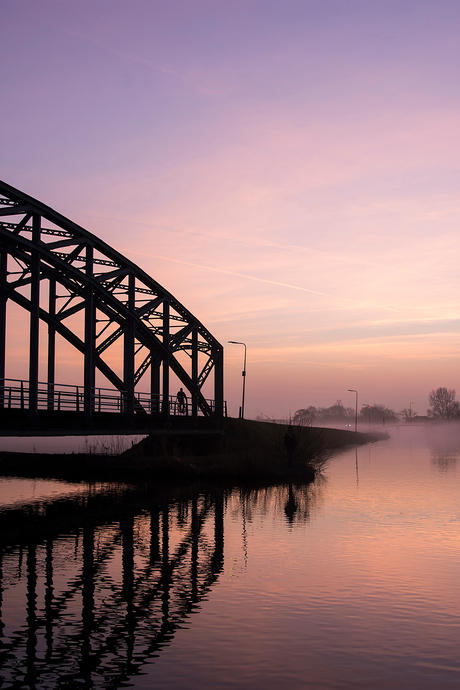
125,328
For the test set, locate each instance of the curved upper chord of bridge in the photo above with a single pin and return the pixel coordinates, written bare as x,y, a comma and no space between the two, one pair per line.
96,299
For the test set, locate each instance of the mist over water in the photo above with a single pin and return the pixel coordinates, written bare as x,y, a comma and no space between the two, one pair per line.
351,582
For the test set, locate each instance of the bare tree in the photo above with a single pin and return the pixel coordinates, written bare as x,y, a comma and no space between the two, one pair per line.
378,413
407,414
306,417
443,404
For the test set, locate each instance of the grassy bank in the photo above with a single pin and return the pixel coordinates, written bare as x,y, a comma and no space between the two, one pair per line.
253,450
246,451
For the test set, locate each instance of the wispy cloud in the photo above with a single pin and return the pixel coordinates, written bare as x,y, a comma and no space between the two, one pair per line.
338,299
389,252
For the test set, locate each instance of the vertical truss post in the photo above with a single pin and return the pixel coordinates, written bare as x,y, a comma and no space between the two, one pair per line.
165,406
194,370
154,383
3,300
219,381
89,377
51,343
34,320
128,351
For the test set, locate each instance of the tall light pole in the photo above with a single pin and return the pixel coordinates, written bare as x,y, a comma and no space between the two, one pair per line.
351,390
235,342
410,411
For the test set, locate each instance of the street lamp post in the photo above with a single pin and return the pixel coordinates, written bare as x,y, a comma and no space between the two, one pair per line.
351,390
236,342
410,411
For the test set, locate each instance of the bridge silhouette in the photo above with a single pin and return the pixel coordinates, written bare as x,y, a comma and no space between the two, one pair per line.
132,337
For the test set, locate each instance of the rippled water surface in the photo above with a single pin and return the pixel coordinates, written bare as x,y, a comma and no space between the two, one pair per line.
352,582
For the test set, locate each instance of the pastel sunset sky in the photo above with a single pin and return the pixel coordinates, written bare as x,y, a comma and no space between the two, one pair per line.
288,169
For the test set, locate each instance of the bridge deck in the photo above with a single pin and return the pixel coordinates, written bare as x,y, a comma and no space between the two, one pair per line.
18,423
61,412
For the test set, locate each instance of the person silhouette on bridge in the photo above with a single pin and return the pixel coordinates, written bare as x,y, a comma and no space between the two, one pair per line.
182,400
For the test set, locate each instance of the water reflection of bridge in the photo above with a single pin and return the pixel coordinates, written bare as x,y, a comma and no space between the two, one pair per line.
96,595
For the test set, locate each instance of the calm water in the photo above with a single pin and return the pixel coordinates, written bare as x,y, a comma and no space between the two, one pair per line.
352,582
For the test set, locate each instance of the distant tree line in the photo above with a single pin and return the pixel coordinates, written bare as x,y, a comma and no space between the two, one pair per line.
373,414
443,406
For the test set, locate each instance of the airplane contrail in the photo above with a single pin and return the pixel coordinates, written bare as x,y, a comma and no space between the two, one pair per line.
263,280
164,69
270,244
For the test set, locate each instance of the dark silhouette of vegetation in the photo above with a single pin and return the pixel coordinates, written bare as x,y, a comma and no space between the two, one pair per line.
407,414
443,404
339,414
378,414
247,451
310,416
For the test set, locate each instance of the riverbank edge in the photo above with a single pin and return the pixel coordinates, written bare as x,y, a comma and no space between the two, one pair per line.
246,451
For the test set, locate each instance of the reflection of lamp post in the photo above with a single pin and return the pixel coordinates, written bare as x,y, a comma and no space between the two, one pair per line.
235,342
351,390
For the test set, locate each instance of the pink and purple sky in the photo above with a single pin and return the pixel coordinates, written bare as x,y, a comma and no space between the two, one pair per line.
288,169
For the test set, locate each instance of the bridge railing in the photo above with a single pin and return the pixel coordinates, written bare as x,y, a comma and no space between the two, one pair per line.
61,397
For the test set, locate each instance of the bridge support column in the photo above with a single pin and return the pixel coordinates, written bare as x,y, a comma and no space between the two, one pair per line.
128,353
165,406
3,301
51,343
194,370
154,384
90,336
219,382
34,321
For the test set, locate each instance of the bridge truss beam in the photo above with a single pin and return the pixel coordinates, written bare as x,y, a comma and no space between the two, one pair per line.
102,305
